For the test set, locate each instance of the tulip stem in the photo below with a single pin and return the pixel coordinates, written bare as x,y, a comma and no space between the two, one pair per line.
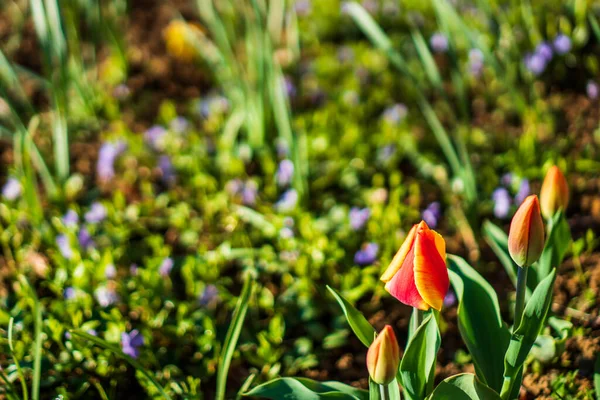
520,302
416,320
384,392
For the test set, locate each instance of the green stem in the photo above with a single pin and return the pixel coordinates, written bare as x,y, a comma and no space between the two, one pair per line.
416,320
384,392
521,289
506,388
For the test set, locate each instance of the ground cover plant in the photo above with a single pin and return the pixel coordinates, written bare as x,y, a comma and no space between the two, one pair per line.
299,199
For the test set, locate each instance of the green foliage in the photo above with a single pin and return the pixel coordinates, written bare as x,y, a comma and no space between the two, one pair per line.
463,387
360,326
306,389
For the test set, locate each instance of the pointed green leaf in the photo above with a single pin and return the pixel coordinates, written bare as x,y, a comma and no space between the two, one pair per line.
306,389
463,387
359,324
479,321
556,246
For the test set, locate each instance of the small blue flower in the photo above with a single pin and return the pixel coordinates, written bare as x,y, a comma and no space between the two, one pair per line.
105,167
449,299
476,62
523,192
507,179
395,114
70,219
165,267
249,193
432,214
303,7
106,296
367,255
288,201
97,213
110,272
62,242
359,217
502,202
545,50
562,44
70,293
209,295
535,63
131,342
85,239
12,189
439,42
592,90
285,172
166,168
179,125
154,137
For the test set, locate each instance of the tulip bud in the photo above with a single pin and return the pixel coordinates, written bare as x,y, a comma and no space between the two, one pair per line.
383,357
526,235
554,195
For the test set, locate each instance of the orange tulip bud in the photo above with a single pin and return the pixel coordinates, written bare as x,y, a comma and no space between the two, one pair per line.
526,235
554,195
383,357
417,276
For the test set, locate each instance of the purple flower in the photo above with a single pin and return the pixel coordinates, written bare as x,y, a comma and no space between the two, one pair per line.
96,214
133,269
131,342
285,172
105,167
165,267
507,179
303,7
70,219
359,217
85,239
562,44
286,233
69,293
209,295
249,193
288,201
110,272
395,113
523,192
545,50
166,169
432,214
288,86
535,63
449,299
476,62
154,136
179,124
106,296
213,104
12,189
367,254
62,242
592,90
438,42
502,200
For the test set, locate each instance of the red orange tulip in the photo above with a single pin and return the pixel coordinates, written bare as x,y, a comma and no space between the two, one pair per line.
526,235
554,195
383,357
417,276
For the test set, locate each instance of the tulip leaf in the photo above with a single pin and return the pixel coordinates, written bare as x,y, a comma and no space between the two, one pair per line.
463,387
557,244
359,324
597,376
479,322
388,392
532,323
306,389
419,358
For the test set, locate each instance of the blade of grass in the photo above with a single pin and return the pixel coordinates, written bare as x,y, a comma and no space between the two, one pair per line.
37,355
16,360
233,334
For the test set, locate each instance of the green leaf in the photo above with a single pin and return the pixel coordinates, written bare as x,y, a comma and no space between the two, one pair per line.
429,65
498,241
557,244
233,334
388,392
531,325
463,387
479,321
306,389
359,324
597,376
419,359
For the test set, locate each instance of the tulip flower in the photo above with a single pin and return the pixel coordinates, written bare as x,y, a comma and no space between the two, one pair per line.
526,235
554,195
417,276
383,357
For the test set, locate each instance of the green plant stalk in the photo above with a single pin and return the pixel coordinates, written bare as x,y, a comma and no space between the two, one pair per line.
417,320
384,392
521,290
37,359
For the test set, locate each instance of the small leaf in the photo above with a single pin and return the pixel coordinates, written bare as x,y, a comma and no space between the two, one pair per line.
463,387
306,389
479,321
556,247
359,324
419,359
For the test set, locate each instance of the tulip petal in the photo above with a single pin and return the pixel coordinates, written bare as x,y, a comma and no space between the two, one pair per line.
526,234
430,271
402,285
400,256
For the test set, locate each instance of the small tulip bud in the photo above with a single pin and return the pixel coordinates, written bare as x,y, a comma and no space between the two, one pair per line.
383,357
526,235
554,195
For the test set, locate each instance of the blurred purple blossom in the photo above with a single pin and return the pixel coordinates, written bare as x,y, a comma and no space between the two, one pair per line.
367,254
289,87
69,293
535,63
105,167
62,242
449,299
70,219
106,296
12,189
165,267
359,217
288,201
131,342
562,44
97,213
249,193
476,62
85,239
213,104
502,201
179,124
286,233
209,295
166,169
545,50
506,179
395,113
153,136
524,191
439,42
592,90
303,7
285,172
110,272
133,269
432,214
